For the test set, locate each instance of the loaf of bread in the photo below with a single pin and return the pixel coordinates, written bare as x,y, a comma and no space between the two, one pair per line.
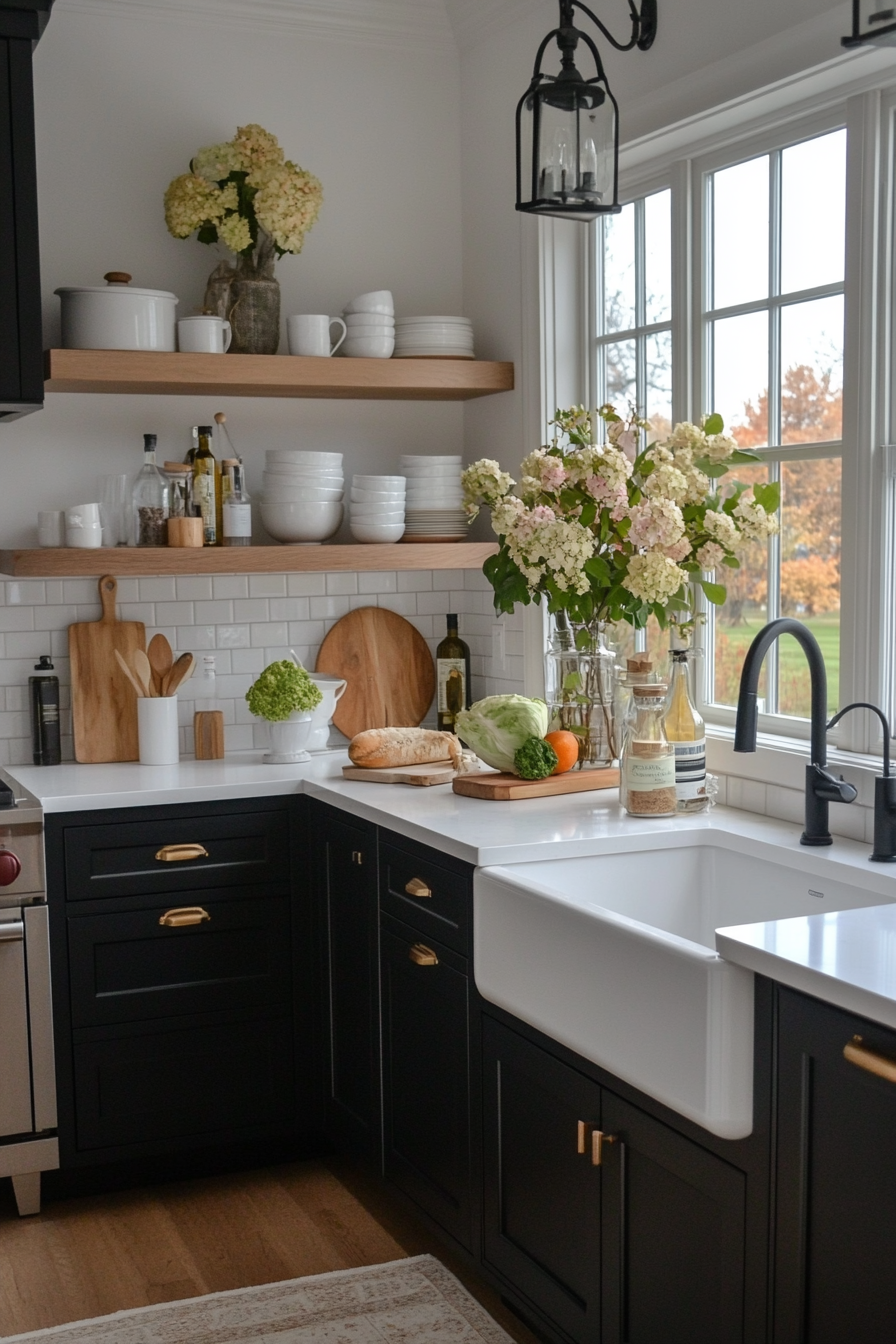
386,748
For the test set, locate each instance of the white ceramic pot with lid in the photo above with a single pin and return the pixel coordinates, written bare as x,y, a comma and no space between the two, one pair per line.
116,317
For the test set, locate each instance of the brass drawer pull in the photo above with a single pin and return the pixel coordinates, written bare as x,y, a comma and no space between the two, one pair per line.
585,1130
184,915
417,887
179,853
856,1052
357,857
423,955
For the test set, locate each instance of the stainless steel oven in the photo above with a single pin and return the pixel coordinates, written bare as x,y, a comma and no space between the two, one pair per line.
28,1143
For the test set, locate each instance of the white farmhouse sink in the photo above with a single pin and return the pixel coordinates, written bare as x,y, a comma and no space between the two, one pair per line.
614,955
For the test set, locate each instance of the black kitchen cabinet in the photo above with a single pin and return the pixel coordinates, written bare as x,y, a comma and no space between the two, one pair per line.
835,1239
345,863
178,936
21,355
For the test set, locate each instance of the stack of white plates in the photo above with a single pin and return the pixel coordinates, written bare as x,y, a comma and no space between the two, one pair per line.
303,493
434,499
433,338
376,510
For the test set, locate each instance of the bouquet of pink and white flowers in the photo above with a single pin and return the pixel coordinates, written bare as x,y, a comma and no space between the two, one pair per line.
614,531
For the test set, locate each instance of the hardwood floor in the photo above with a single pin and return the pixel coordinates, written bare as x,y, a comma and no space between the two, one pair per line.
97,1254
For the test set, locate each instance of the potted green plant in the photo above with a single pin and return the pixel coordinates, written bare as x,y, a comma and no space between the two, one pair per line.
285,697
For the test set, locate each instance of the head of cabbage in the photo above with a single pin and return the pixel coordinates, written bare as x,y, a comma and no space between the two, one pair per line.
498,725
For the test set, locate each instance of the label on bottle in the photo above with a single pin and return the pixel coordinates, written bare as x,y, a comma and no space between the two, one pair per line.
690,769
642,775
451,675
204,502
237,519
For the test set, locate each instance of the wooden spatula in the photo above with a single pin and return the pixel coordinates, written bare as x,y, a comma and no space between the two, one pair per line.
130,675
180,672
143,672
160,660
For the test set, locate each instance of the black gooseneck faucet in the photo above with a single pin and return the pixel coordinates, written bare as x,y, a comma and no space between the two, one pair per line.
884,850
821,787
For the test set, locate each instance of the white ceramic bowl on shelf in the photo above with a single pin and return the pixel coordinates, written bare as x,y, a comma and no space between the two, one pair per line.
304,458
376,499
377,532
304,523
378,482
361,322
306,493
368,347
428,460
376,301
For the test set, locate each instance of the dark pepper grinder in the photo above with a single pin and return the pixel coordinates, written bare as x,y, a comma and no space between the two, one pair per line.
43,694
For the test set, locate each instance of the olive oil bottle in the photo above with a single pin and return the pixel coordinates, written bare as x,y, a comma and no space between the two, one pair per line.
207,488
452,677
686,731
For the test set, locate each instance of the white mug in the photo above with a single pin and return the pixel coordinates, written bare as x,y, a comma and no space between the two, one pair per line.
309,334
204,335
51,527
83,526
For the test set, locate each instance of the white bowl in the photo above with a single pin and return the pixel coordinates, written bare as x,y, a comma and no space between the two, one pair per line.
289,521
437,318
316,477
368,347
378,517
377,497
383,532
297,496
305,457
376,301
378,482
432,473
360,322
424,460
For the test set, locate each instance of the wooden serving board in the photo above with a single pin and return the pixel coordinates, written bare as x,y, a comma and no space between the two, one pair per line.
436,772
104,706
507,788
388,666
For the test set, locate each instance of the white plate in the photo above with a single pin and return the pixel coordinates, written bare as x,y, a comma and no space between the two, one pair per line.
422,460
437,319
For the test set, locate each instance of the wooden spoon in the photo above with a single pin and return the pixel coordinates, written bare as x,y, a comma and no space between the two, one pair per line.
160,660
180,672
143,672
130,676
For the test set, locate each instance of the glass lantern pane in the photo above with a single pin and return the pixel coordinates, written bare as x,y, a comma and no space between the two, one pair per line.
812,371
619,271
813,212
740,233
557,169
576,151
740,377
658,256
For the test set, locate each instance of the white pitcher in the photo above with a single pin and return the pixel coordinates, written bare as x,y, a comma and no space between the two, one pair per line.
332,689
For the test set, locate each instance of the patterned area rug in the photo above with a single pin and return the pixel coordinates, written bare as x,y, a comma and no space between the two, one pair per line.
405,1301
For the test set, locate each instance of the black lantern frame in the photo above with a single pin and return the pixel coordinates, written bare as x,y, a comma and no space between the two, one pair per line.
573,178
874,28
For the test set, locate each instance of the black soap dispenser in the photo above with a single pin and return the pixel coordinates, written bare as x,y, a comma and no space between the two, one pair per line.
43,694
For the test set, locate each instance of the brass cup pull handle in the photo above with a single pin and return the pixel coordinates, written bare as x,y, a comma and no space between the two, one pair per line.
856,1052
180,853
184,915
588,1136
417,887
422,955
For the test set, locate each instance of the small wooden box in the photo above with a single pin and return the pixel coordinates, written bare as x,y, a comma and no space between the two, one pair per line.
208,735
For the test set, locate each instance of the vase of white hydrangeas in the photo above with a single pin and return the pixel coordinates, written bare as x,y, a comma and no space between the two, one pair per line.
245,194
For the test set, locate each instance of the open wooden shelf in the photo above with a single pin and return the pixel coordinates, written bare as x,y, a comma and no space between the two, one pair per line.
129,371
122,561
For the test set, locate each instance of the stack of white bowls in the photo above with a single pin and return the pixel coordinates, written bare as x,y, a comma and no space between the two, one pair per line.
369,326
376,511
434,499
303,492
434,338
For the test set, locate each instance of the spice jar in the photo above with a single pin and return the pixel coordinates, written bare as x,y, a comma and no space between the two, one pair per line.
180,487
647,773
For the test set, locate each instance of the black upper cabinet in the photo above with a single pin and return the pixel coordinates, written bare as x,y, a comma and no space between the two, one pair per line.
21,357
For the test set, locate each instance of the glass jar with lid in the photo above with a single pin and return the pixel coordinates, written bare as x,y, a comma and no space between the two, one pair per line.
647,766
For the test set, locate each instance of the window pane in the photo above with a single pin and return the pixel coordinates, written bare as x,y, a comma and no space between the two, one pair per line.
813,216
812,365
621,385
740,377
619,270
810,575
658,256
740,233
659,382
744,612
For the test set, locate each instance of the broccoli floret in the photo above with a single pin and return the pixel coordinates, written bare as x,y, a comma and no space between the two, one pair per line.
535,759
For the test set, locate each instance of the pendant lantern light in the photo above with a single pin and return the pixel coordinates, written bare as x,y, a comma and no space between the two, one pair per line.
873,25
567,127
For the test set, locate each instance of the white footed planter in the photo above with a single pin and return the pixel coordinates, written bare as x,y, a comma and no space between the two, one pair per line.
288,738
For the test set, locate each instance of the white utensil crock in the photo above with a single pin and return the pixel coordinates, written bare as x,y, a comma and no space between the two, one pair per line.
157,730
115,317
288,738
332,689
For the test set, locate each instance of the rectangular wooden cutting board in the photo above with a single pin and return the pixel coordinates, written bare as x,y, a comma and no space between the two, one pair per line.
436,772
104,706
509,788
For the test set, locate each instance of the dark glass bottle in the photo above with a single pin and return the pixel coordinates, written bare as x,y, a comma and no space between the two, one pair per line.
207,488
43,694
452,677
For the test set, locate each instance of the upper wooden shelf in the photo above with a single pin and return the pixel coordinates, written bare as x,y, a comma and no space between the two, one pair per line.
62,562
130,371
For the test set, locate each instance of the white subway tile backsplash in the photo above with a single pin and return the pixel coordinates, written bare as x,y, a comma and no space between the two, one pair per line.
267,585
405,604
25,644
382,581
306,632
214,612
137,611
174,613
328,608
54,591
232,637
73,591
127,591
16,618
196,587
415,581
306,585
342,583
747,794
230,585
196,637
289,608
247,662
251,609
160,589
443,580
31,593
434,604
268,632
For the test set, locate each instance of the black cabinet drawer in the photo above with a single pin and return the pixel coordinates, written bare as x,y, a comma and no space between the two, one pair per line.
427,894
122,859
127,967
183,1082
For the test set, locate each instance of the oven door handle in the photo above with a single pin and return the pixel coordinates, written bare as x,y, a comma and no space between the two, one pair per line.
12,930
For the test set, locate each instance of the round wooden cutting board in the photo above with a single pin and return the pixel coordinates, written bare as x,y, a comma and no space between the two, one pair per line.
388,667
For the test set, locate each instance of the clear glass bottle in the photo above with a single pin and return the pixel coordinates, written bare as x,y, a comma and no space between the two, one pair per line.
647,765
151,499
452,677
686,731
180,486
207,488
638,671
236,509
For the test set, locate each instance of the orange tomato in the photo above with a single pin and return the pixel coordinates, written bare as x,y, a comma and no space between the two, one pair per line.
566,746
